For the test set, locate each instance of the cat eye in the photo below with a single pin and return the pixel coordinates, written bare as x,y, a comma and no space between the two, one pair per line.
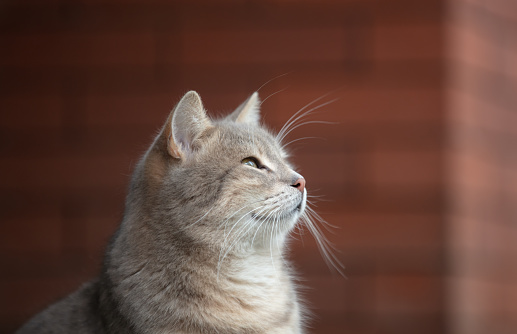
252,162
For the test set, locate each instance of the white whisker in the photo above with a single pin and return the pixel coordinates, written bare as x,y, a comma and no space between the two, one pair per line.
298,139
278,76
197,221
295,115
230,217
286,129
272,94
325,247
238,236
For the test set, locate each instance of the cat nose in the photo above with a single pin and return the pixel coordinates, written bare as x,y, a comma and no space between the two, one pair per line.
299,184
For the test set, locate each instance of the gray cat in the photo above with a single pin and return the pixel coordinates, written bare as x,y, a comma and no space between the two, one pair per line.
200,247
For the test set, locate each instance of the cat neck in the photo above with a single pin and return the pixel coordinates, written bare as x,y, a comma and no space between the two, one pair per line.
218,291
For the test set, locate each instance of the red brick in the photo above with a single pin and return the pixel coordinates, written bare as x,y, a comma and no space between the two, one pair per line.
402,259
66,172
505,9
483,251
91,235
20,204
127,140
404,168
366,105
50,3
270,15
408,294
484,298
327,294
28,296
494,207
474,173
472,47
484,85
482,185
387,76
364,139
18,141
496,266
482,143
220,47
357,198
415,41
39,264
474,111
43,235
408,12
72,49
92,203
311,13
35,81
168,43
404,232
465,234
120,110
321,169
38,111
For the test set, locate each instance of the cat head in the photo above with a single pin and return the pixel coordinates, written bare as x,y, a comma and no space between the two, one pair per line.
220,181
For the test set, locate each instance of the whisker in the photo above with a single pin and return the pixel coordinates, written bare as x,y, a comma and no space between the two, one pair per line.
302,109
305,123
263,221
320,219
248,204
221,259
240,233
237,222
262,208
197,221
271,250
297,116
325,247
278,76
224,252
272,94
258,229
298,139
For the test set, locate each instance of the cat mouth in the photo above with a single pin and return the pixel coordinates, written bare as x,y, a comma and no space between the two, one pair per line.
281,215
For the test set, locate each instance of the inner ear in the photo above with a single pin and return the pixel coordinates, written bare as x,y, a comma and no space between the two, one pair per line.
186,123
248,111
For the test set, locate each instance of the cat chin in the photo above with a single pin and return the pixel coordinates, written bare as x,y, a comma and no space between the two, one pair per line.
286,219
294,208
292,213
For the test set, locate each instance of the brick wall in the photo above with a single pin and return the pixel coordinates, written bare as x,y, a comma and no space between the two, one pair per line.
84,85
482,162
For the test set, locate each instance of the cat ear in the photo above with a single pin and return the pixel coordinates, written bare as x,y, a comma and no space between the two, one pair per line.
248,111
185,124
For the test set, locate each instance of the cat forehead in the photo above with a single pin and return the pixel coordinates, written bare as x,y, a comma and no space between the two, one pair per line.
254,139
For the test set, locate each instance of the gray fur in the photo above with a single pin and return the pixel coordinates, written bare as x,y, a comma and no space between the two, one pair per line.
200,247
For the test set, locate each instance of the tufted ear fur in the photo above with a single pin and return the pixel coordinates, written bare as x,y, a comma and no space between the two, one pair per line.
185,124
248,111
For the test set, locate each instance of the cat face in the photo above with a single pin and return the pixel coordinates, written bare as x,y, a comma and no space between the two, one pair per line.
225,181
261,191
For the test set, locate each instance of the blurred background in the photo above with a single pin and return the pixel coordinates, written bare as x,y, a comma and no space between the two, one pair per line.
419,174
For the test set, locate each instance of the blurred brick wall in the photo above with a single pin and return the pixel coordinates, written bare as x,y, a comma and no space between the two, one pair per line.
482,160
84,86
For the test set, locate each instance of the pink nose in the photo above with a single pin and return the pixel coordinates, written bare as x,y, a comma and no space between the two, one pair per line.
299,184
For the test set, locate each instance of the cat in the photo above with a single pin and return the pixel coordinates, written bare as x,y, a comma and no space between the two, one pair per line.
201,245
